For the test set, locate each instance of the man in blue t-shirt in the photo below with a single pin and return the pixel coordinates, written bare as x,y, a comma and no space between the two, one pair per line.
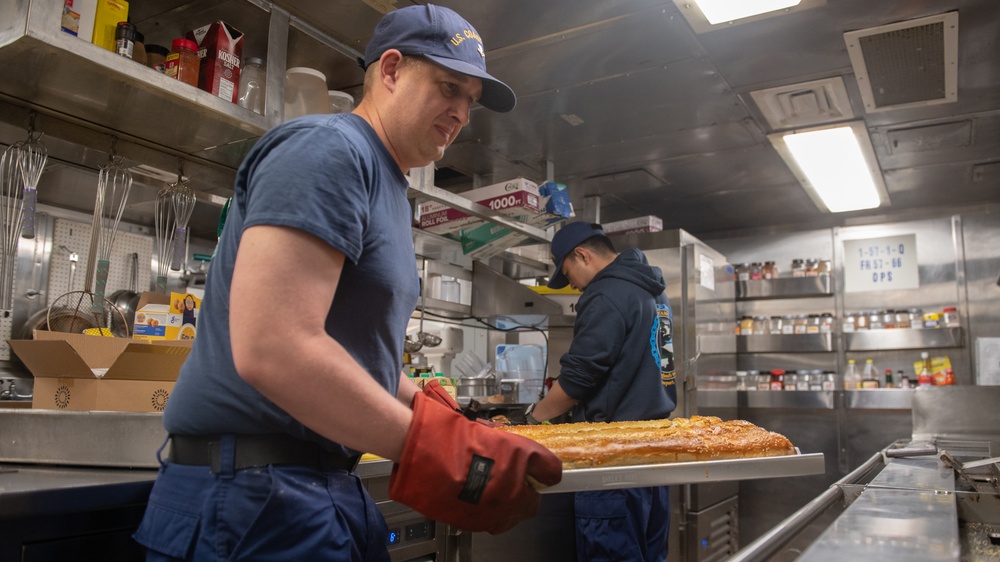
619,367
297,367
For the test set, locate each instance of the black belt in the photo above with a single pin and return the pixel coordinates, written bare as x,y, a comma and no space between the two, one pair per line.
252,451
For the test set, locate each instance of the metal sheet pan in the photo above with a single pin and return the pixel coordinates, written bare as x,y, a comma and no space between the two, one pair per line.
583,479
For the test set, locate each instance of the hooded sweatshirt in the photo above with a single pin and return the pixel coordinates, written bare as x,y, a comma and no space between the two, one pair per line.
620,365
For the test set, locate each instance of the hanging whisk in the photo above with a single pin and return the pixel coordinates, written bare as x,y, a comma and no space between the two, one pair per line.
183,200
114,183
32,157
163,209
11,214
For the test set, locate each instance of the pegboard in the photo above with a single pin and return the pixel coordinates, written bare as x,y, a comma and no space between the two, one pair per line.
76,237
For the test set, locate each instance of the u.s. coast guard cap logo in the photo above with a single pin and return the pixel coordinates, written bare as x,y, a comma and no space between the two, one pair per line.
445,38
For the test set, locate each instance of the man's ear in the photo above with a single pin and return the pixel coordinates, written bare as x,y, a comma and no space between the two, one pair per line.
389,64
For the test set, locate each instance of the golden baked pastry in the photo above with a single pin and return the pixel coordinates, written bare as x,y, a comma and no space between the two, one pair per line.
698,438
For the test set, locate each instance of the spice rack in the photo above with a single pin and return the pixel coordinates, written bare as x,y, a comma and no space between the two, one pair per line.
784,288
903,338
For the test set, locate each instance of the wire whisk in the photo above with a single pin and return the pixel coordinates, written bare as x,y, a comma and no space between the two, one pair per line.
165,225
32,157
11,215
183,201
114,182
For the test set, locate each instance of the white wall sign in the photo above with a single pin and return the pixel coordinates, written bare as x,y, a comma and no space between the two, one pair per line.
881,264
707,270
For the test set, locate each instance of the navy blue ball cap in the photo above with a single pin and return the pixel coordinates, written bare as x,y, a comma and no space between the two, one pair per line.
445,38
564,242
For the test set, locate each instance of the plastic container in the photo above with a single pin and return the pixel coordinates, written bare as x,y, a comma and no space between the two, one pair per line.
340,102
156,57
182,63
916,318
125,39
305,92
798,268
776,325
770,270
253,84
950,317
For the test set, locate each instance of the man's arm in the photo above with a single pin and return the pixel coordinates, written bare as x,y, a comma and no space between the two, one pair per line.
283,283
555,403
407,388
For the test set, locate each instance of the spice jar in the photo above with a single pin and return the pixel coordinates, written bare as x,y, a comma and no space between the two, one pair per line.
770,270
253,83
777,379
741,380
850,322
156,57
902,319
791,380
125,39
916,318
761,325
801,324
824,267
950,318
777,325
874,320
139,49
746,326
812,324
763,380
888,319
788,324
182,62
742,272
825,323
798,268
812,267
861,321
756,273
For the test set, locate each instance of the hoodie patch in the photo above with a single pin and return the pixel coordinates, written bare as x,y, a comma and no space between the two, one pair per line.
661,341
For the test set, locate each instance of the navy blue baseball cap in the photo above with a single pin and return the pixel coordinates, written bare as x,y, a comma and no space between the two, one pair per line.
564,241
445,38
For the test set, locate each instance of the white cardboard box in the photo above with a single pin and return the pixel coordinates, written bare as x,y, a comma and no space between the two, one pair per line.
511,198
648,223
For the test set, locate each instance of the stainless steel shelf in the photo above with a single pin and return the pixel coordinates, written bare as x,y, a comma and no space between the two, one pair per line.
717,343
52,71
875,340
795,400
784,288
785,343
688,473
879,399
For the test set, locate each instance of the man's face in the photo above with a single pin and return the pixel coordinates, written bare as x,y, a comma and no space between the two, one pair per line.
575,268
431,105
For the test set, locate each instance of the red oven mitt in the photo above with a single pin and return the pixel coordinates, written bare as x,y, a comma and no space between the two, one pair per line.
467,475
434,390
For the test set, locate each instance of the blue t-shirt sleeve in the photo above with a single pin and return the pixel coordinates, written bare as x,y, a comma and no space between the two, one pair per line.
323,190
597,341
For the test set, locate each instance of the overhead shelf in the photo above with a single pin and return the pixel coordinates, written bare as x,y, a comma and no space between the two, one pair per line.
52,71
785,288
903,338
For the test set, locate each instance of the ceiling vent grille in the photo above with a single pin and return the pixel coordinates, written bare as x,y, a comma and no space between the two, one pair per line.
906,64
804,104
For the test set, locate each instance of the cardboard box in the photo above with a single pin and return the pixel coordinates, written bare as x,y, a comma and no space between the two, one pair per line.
648,223
511,198
220,48
165,318
106,18
79,372
487,240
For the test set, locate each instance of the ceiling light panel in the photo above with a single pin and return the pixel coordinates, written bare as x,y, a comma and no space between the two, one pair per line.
710,15
835,164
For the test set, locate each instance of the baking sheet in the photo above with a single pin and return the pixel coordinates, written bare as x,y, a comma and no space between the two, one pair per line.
607,478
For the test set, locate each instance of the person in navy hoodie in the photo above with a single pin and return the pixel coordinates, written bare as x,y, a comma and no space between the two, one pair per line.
619,367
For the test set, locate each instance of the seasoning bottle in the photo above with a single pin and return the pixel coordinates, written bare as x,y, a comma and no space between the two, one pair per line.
777,379
801,325
788,324
139,48
182,62
888,379
791,380
888,319
756,273
761,325
924,376
777,325
825,323
850,322
902,319
742,272
870,378
125,39
798,268
950,318
156,57
916,318
741,380
812,267
852,378
770,270
902,381
812,324
825,267
874,320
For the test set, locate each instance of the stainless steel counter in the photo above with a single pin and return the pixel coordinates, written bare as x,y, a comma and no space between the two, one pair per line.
27,490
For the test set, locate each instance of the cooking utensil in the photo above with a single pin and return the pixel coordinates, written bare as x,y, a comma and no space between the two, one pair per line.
76,311
32,158
183,199
11,215
114,182
126,300
163,210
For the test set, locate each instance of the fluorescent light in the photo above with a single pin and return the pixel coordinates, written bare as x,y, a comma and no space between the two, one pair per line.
836,165
721,11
